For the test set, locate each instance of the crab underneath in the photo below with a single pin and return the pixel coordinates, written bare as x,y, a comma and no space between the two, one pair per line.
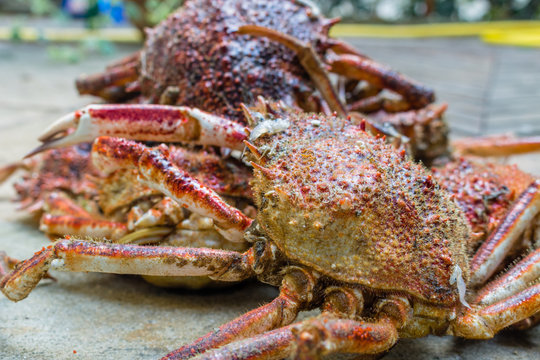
345,223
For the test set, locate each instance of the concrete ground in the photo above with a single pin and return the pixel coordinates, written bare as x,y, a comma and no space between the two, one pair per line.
101,316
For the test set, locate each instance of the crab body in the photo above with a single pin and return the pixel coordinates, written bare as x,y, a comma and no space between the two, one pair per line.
199,51
324,199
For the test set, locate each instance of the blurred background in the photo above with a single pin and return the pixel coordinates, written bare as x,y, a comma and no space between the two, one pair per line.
95,25
148,12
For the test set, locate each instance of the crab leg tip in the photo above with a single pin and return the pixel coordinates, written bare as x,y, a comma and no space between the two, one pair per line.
37,150
60,125
71,139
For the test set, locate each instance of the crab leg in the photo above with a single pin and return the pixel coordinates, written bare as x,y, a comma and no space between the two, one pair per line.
7,170
82,226
341,47
97,84
158,172
143,122
58,204
497,145
522,274
308,58
76,255
6,264
281,311
119,74
496,247
335,335
355,67
484,322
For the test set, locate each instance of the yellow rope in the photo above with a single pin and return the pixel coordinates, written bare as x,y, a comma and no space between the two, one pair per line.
432,30
521,33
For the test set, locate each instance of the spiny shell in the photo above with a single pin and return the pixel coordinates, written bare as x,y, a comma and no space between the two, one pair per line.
197,50
484,192
341,201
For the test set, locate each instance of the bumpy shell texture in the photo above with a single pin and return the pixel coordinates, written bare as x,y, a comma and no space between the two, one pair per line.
485,192
197,50
342,202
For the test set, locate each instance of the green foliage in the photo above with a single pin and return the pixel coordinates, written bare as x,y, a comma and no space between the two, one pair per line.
42,7
150,12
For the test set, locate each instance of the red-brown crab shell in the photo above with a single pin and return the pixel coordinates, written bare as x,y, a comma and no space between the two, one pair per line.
67,169
198,51
484,191
339,200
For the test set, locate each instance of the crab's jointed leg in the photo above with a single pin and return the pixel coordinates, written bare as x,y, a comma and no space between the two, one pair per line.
518,278
99,84
334,331
111,84
76,255
307,57
82,226
158,172
493,251
497,145
143,122
483,322
6,264
355,67
338,335
56,203
296,290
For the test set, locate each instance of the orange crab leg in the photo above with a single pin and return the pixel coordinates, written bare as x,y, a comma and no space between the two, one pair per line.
358,68
6,264
496,247
158,172
309,60
82,226
484,322
410,118
341,47
76,255
143,122
335,335
525,272
59,204
7,170
496,145
281,311
98,84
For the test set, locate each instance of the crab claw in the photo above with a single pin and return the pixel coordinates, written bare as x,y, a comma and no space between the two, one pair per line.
61,133
146,122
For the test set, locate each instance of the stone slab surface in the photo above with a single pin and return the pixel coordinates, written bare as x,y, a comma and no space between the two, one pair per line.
100,316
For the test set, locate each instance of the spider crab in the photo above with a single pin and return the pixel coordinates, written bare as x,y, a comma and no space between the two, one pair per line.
216,55
209,56
326,235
